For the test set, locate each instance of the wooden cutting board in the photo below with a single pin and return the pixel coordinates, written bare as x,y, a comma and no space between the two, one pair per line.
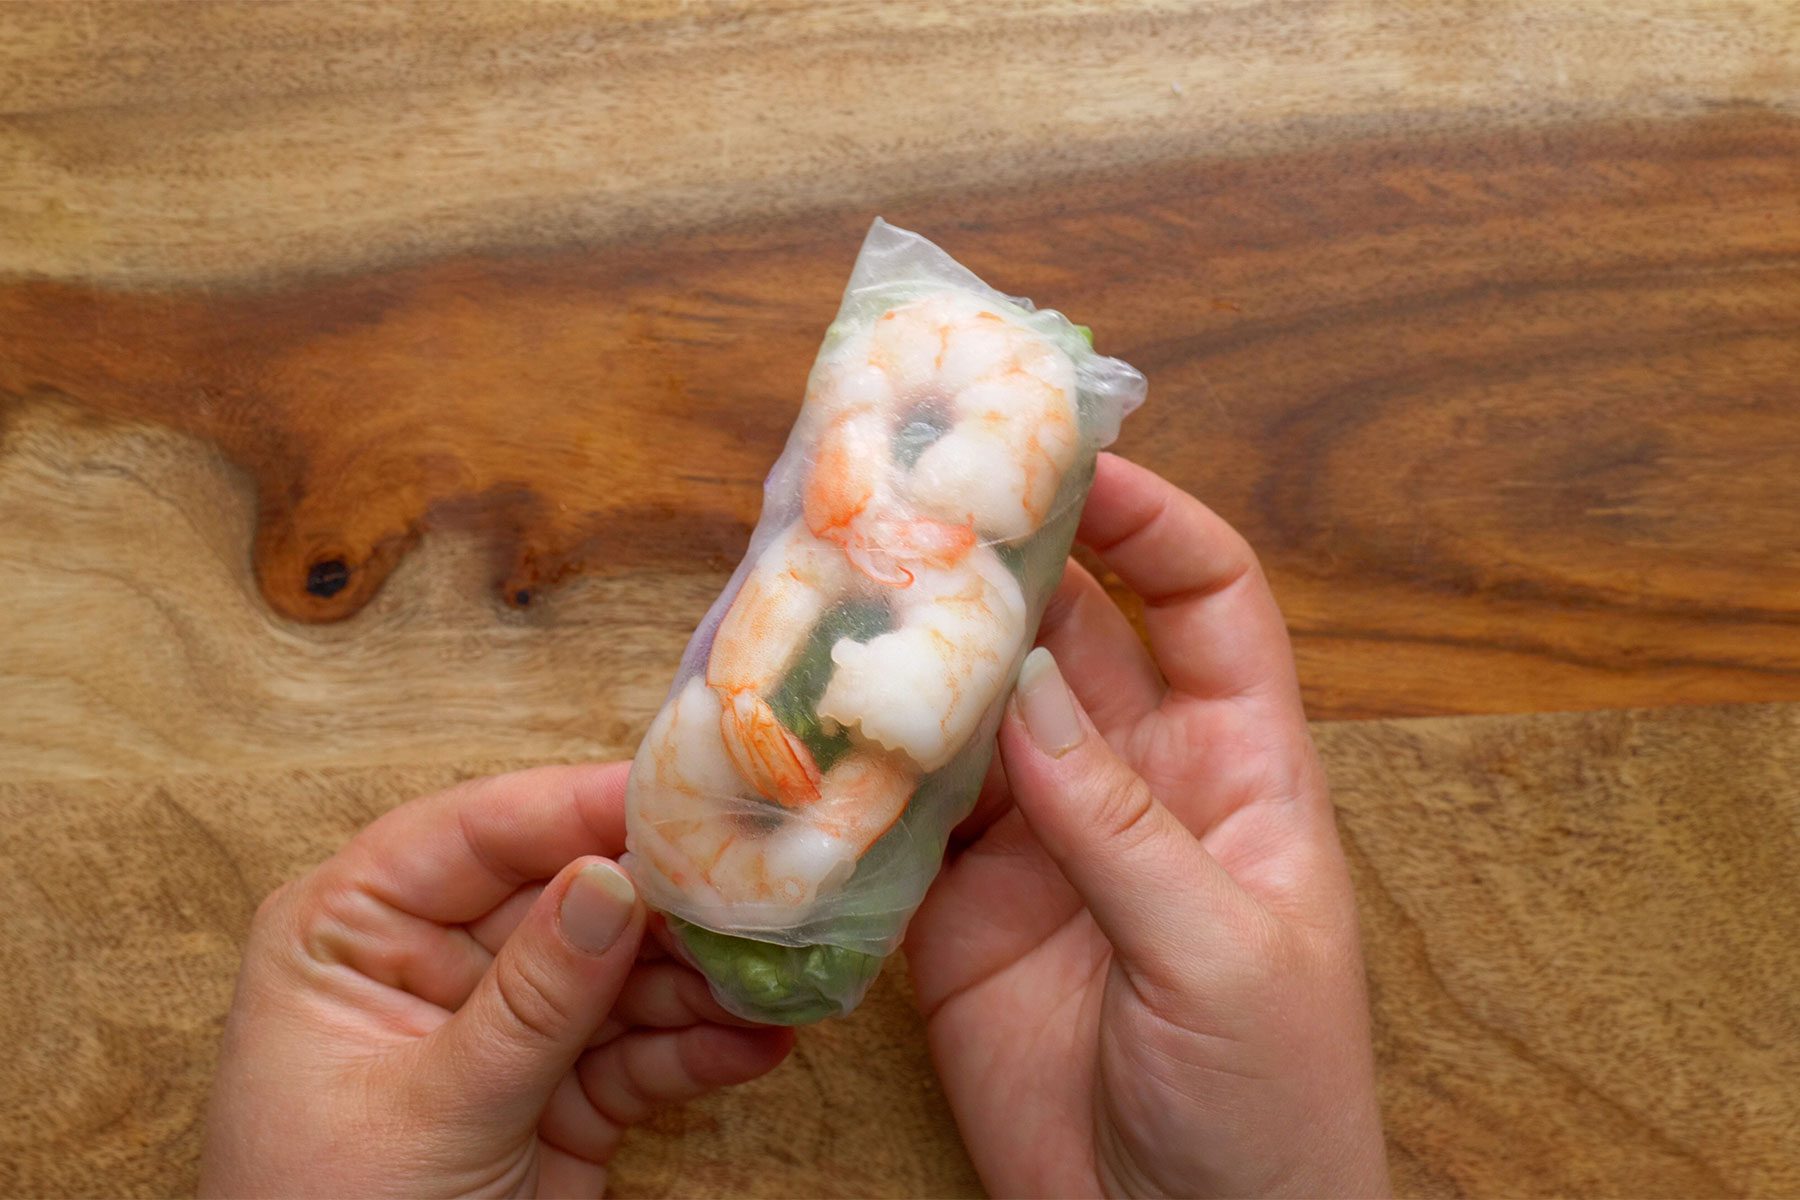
1580,935
396,384
393,385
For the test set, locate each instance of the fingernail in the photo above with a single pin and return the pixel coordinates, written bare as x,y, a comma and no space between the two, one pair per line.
1047,706
597,907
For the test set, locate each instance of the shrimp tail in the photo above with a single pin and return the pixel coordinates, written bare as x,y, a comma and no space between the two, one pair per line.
878,564
772,759
883,546
936,542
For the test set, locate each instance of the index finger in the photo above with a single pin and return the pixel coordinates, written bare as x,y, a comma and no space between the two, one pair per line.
454,856
1213,623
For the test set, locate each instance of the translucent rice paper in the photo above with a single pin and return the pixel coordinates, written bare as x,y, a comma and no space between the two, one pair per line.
804,954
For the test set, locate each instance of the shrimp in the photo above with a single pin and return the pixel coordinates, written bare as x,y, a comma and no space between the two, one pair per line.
923,687
998,395
694,817
791,586
849,499
683,779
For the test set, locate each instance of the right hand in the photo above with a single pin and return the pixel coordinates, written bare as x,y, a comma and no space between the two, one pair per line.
1143,977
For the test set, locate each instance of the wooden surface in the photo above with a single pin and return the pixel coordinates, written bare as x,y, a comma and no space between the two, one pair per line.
484,321
1487,338
1584,979
1581,944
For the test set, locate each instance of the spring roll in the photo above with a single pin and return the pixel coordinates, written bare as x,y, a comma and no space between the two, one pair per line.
834,715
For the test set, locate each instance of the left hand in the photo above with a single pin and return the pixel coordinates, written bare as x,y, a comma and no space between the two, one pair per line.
462,1001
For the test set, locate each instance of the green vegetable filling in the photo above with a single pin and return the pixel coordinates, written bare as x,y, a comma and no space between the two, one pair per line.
782,985
796,701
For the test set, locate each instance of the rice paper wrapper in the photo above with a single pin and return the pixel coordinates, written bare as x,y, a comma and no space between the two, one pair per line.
776,898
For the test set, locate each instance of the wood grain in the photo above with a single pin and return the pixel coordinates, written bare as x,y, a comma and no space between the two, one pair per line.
167,141
136,642
1579,931
1511,420
1580,938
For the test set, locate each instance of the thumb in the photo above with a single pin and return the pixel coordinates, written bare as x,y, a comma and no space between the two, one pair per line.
1158,896
547,992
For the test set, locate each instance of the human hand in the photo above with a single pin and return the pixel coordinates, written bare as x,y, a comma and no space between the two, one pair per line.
1143,977
461,1001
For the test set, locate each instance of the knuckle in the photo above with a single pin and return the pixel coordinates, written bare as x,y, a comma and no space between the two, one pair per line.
648,1088
277,931
600,1077
332,925
269,910
1124,810
529,1000
1244,556
297,931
